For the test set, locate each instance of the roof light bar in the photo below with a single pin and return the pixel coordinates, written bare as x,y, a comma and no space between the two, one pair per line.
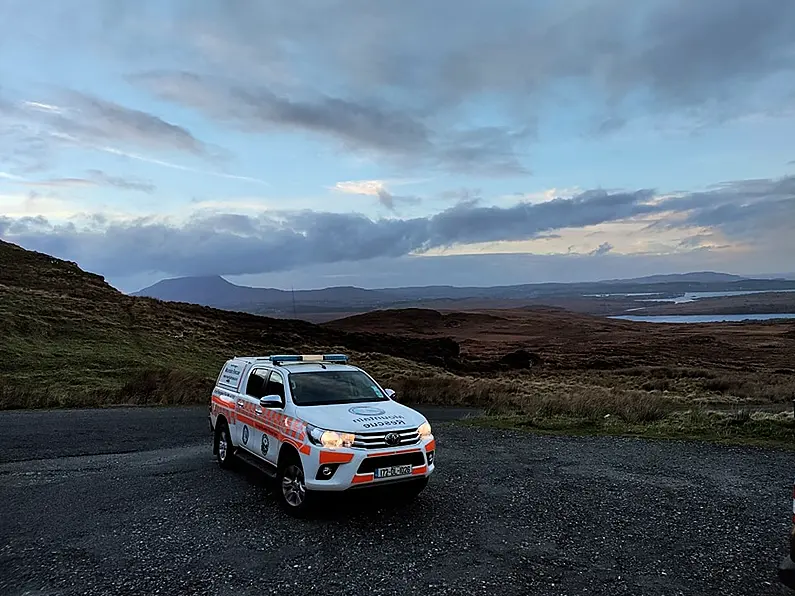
307,358
335,357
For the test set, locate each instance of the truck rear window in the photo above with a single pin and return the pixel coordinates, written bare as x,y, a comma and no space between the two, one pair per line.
333,387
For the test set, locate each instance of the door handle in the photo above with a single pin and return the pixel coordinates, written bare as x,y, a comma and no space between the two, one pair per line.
241,403
258,410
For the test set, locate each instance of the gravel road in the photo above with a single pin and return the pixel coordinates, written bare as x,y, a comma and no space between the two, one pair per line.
130,501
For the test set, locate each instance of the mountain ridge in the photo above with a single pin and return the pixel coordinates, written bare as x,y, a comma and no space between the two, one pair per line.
217,292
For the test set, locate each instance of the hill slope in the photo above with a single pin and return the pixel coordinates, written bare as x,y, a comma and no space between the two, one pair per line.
700,277
69,338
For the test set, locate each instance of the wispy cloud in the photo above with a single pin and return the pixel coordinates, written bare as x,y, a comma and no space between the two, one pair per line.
176,166
44,107
398,134
374,188
93,178
361,187
35,133
247,205
602,249
94,120
60,183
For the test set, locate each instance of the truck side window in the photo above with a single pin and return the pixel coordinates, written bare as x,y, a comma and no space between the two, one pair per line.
275,386
256,383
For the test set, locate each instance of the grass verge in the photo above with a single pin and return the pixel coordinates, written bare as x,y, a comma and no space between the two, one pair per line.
576,407
732,428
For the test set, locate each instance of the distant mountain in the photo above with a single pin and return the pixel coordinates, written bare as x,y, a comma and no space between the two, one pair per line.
701,277
217,292
332,302
209,291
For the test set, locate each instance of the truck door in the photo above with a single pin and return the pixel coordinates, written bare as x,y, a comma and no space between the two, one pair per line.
272,418
249,413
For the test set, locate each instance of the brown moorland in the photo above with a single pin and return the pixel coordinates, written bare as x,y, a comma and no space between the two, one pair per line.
565,340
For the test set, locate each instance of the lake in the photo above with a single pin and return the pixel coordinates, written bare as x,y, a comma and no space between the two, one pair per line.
687,297
693,296
702,318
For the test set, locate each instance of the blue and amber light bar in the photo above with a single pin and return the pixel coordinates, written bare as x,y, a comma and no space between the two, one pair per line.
277,358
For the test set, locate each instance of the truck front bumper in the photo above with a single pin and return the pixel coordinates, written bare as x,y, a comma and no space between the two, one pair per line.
354,468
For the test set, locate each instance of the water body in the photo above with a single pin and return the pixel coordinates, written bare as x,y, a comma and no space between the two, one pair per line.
702,318
621,294
693,296
687,297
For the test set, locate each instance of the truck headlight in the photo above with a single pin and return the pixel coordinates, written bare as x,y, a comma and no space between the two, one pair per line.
424,430
329,438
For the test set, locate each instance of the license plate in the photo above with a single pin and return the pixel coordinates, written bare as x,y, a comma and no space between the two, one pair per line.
392,471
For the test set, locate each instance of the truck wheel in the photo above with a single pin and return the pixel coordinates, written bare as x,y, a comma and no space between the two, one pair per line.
224,450
293,496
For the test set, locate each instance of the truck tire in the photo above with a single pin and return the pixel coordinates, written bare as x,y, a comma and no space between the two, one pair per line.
224,450
291,489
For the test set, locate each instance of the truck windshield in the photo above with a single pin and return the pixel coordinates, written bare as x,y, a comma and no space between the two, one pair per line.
333,387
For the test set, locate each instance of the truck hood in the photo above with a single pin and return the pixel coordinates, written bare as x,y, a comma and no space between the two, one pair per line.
361,417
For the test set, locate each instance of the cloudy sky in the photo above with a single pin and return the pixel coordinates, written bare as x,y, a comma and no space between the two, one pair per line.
323,142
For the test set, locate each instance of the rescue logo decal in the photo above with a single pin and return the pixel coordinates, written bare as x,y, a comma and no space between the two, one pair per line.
231,374
376,421
265,443
245,435
366,411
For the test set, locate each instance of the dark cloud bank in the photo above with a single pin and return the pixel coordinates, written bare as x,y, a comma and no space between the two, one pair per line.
746,211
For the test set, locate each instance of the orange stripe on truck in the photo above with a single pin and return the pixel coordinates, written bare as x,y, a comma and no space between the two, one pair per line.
223,403
359,478
334,457
431,445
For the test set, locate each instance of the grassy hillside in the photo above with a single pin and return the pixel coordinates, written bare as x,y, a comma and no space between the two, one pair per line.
67,338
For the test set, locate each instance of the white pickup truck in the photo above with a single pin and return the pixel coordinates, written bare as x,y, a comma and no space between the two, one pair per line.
316,423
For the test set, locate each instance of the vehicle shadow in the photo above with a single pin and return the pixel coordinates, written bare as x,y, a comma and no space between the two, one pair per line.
380,500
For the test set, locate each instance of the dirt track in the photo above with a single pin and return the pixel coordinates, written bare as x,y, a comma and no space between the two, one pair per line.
506,513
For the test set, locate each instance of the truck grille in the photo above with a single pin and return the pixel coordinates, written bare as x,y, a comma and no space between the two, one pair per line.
377,439
371,463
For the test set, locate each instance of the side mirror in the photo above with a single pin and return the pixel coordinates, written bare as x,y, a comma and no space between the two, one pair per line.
390,393
271,401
